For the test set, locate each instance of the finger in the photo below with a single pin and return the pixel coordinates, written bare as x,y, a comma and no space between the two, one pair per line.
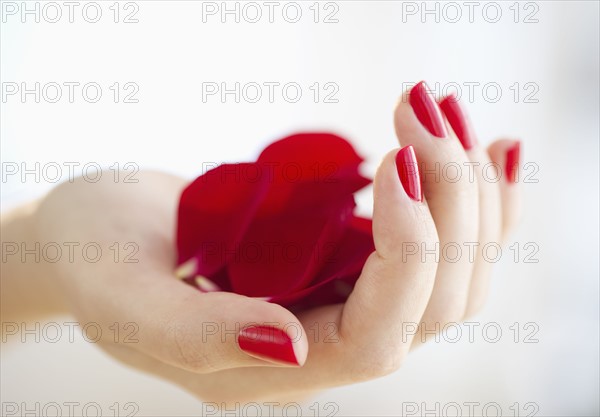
452,200
483,172
207,332
395,285
505,153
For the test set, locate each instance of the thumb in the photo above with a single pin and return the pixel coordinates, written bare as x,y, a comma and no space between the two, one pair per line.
207,332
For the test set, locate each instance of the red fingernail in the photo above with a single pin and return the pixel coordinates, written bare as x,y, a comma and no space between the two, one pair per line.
268,343
458,120
427,110
408,172
513,154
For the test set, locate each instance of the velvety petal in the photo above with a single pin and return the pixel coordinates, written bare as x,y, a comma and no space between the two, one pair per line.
285,251
334,291
308,148
304,168
214,212
281,227
351,252
302,197
336,280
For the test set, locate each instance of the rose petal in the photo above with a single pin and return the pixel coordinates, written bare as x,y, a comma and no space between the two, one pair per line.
336,280
306,168
308,148
214,211
284,252
298,197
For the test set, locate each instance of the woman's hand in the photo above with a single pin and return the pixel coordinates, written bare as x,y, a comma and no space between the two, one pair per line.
191,338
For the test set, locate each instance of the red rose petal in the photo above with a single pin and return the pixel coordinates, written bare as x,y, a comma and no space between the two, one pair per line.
307,148
284,252
214,212
239,222
305,168
340,272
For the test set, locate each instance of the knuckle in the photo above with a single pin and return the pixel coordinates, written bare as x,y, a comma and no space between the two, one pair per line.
188,352
422,230
374,362
459,185
377,364
385,365
419,240
451,314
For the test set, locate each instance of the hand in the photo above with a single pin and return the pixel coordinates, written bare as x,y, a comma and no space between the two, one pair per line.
362,339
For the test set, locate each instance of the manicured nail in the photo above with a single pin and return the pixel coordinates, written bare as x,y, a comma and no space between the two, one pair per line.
427,110
269,343
513,154
458,120
408,172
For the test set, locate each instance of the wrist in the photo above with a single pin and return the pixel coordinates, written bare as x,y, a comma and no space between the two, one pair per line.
29,289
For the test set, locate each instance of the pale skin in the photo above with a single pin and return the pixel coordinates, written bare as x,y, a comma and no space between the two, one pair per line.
172,341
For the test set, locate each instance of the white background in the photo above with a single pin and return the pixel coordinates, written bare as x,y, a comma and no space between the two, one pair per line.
371,54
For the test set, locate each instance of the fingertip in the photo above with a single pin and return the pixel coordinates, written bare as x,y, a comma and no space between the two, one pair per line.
400,211
407,168
388,187
459,121
407,124
274,344
506,154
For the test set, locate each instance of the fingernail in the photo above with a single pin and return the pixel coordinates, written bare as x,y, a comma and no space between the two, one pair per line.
269,343
427,110
513,154
408,172
458,120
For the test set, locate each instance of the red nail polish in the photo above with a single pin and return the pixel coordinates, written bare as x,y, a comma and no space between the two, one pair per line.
268,343
427,110
458,120
513,154
408,172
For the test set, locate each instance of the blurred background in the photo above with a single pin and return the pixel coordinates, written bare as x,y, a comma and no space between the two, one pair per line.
524,70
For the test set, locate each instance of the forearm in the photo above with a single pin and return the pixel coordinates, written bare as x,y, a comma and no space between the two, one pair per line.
28,288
